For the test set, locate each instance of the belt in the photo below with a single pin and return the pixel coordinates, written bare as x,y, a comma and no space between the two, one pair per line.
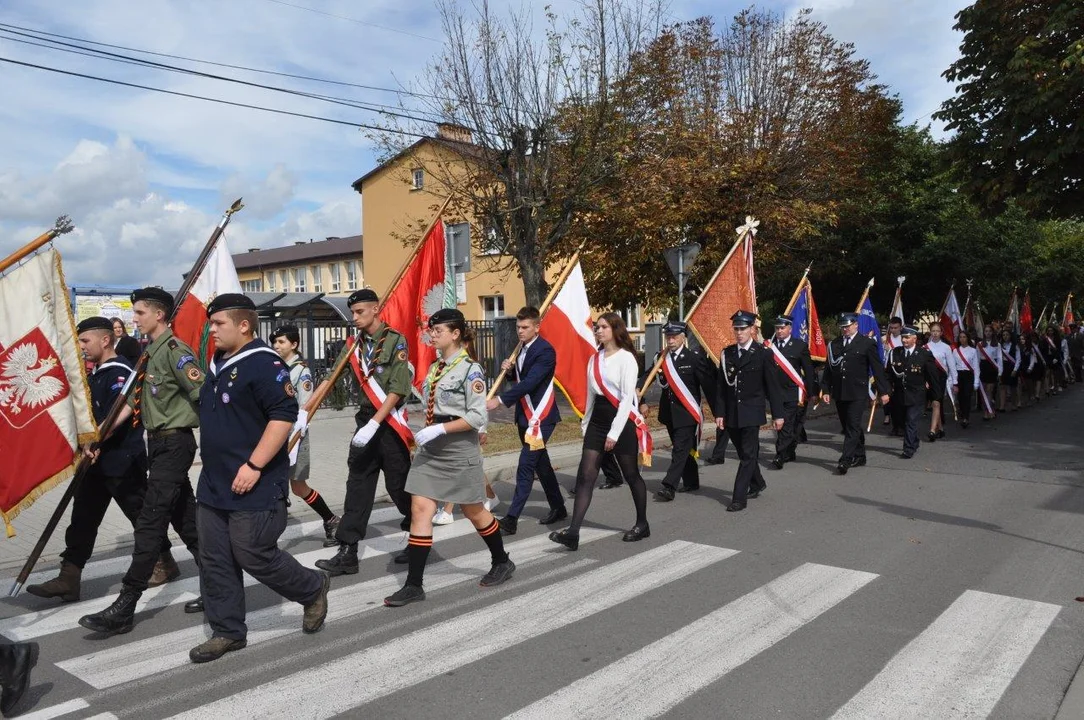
445,418
158,434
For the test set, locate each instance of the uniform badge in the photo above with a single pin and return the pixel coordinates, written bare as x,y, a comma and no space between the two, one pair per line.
225,397
233,374
289,388
445,396
194,374
283,374
154,390
185,359
306,385
478,387
379,369
401,356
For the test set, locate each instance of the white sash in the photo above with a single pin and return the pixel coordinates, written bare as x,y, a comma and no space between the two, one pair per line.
533,436
397,418
788,369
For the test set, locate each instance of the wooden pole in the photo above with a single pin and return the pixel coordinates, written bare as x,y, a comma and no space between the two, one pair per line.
798,290
105,428
62,226
858,309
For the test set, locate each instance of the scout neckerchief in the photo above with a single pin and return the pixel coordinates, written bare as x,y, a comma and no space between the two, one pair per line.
788,369
437,371
684,396
982,389
643,435
364,368
533,434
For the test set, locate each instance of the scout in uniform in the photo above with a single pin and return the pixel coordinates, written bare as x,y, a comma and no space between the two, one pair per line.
747,385
798,382
247,408
913,370
687,377
448,464
165,401
852,358
119,472
285,341
381,442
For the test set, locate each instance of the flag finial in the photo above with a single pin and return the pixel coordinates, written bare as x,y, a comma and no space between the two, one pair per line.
750,226
900,279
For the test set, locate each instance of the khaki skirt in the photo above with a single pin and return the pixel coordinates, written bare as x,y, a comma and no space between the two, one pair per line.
449,469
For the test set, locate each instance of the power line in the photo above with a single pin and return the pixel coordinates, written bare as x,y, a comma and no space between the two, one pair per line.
353,20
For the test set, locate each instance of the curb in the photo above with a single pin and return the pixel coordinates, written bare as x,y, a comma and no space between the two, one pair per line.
1072,705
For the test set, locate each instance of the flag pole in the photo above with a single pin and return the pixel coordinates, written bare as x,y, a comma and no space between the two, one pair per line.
873,400
105,428
62,226
865,295
798,290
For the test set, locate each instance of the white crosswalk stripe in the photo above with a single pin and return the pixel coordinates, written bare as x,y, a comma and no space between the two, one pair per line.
702,651
361,677
55,711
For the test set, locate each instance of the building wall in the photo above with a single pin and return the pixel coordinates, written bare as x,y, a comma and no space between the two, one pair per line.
269,277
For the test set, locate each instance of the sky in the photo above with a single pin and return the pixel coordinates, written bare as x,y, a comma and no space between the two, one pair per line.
146,176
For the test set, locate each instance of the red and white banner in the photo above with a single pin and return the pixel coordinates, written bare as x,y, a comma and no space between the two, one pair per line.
397,418
45,407
951,319
568,326
643,433
1025,314
190,326
897,302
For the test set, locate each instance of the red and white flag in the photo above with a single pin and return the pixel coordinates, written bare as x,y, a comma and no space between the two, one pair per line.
897,302
568,326
1025,314
218,277
1013,316
951,319
45,408
1069,319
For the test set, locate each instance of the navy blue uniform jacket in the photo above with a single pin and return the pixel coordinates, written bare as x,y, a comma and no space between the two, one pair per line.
539,364
125,446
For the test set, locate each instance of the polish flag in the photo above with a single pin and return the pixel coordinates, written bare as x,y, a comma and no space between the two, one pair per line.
568,326
190,326
951,319
1025,314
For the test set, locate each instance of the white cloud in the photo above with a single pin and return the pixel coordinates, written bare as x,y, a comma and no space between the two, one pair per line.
266,198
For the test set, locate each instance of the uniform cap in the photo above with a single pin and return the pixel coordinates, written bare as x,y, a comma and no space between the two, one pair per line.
363,295
230,301
156,294
784,320
908,331
288,331
674,327
743,319
94,323
445,316
847,318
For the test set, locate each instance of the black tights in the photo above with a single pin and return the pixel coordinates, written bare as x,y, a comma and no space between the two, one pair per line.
586,476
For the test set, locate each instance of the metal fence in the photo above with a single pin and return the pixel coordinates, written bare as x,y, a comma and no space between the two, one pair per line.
485,347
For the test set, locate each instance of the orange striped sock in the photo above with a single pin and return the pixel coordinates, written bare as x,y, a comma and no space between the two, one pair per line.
418,547
494,541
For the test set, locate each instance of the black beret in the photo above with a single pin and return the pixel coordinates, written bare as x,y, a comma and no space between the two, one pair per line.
784,320
363,295
674,327
445,316
230,301
288,331
908,331
156,294
94,323
743,319
847,318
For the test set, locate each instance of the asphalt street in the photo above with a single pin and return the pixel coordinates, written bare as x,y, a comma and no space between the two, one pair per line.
938,587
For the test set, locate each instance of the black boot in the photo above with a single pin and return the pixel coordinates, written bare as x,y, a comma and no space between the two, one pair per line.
345,561
116,619
16,661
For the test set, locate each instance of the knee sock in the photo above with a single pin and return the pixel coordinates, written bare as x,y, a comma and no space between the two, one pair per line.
418,547
316,501
492,535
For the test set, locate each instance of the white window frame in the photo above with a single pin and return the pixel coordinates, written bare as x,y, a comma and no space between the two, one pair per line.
497,310
255,285
351,275
284,278
300,277
489,243
336,277
630,314
271,281
417,178
317,278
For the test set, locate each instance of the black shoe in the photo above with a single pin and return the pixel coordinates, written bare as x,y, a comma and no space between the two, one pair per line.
329,531
610,484
932,437
116,619
665,494
858,462
637,533
714,461
402,557
842,468
194,606
964,424
777,463
735,507
215,648
686,488
791,457
18,660
554,515
508,525
498,574
344,562
907,455
404,596
940,434
752,494
567,538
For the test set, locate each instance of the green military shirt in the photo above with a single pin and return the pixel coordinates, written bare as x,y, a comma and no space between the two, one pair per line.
170,395
385,354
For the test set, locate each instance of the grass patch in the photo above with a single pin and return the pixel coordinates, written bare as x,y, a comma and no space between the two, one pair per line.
504,437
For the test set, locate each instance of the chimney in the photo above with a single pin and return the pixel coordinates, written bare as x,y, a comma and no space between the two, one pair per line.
253,249
454,133
300,242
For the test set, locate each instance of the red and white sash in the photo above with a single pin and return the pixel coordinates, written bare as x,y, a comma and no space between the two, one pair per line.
397,418
1009,356
533,436
684,396
788,369
939,365
643,433
982,390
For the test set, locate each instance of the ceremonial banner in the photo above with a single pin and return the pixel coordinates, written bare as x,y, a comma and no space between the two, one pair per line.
219,276
45,409
1025,314
1068,319
897,302
807,324
1013,316
951,319
730,289
568,326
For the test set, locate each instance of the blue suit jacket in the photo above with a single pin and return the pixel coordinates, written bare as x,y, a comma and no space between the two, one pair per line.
539,363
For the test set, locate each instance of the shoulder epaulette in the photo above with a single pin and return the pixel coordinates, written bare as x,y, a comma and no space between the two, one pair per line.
172,343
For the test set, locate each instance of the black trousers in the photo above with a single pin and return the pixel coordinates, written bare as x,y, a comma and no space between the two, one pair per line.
966,397
786,440
385,452
168,501
611,470
852,415
718,453
912,414
532,462
232,541
747,445
682,463
91,502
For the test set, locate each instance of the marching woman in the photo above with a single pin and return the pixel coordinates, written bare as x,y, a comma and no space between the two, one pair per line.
612,423
1010,373
946,371
990,364
967,379
1055,365
447,466
1033,369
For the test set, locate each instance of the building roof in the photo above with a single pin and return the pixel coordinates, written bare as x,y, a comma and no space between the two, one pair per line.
299,252
468,150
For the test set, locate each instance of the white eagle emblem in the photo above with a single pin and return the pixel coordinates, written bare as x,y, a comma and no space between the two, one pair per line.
433,301
25,382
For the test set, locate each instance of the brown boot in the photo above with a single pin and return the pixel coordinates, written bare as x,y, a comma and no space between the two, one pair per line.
65,586
165,570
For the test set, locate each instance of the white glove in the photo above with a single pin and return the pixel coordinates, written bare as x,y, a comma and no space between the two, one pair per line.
365,434
301,426
426,434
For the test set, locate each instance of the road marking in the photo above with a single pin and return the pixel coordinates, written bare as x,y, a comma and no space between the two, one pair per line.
36,624
351,681
144,658
960,665
652,680
56,711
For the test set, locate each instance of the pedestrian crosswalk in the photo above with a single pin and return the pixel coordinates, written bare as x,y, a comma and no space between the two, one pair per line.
959,664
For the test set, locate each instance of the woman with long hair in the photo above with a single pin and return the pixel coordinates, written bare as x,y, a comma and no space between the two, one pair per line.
946,372
447,466
1055,367
990,364
1009,395
1033,369
967,377
612,423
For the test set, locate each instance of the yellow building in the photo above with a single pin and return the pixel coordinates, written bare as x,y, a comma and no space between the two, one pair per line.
332,266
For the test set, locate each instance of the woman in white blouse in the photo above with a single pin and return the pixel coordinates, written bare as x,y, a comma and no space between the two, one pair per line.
990,364
1010,372
966,359
610,424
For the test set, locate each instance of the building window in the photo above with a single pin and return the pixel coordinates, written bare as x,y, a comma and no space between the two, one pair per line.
492,306
491,245
631,316
252,285
299,279
271,281
417,178
284,280
336,283
317,279
351,275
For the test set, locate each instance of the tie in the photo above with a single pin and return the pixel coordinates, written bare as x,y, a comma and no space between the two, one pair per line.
137,394
908,354
433,394
846,341
674,356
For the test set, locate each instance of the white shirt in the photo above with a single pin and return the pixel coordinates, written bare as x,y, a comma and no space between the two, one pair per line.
993,354
522,355
943,353
971,355
620,371
1010,352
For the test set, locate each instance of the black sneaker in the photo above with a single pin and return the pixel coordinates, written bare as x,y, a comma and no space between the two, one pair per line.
404,596
498,574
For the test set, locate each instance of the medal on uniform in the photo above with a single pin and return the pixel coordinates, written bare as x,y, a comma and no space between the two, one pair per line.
379,369
225,397
154,390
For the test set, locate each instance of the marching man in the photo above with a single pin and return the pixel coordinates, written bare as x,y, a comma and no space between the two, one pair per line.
798,383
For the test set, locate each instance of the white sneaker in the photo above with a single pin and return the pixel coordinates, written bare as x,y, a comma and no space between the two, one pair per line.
491,503
443,518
